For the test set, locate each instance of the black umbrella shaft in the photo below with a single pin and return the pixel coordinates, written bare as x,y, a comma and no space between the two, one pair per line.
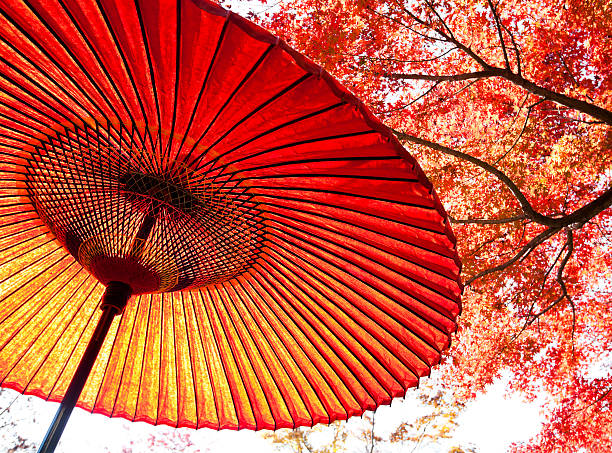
114,299
147,225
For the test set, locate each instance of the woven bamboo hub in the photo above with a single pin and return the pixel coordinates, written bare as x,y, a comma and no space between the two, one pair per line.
125,216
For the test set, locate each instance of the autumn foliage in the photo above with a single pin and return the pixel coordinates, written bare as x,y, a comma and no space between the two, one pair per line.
506,105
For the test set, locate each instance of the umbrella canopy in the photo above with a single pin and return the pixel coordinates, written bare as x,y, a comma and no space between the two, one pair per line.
290,263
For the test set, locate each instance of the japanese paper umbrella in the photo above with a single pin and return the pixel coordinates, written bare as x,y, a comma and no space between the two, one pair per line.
276,257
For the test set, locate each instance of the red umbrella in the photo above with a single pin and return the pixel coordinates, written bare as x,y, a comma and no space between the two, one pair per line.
278,258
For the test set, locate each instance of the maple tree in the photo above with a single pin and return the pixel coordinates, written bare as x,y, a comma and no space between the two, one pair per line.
507,107
300,440
432,429
11,436
438,424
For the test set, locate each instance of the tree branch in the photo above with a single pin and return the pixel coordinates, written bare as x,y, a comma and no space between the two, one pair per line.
593,110
531,318
442,78
564,294
523,252
499,32
601,114
582,106
574,220
487,221
517,54
525,205
518,137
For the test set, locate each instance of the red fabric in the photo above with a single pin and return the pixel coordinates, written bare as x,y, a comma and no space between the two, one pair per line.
355,288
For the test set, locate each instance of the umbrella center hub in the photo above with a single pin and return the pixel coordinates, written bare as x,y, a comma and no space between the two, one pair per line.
161,191
128,213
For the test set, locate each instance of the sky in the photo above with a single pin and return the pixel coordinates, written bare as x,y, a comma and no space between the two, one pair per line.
489,424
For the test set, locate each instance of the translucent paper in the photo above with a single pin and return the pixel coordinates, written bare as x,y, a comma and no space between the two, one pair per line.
353,288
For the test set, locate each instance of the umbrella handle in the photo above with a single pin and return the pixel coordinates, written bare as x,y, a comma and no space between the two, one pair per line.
113,301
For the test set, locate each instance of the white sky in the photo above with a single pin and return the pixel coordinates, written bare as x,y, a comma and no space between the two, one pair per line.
490,423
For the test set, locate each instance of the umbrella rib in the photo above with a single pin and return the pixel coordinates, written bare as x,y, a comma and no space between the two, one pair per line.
10,137
220,355
348,194
271,347
275,97
17,136
50,351
147,159
377,336
59,247
365,345
101,65
178,387
161,353
144,355
109,358
291,145
281,344
272,130
248,75
11,214
177,72
87,132
25,301
21,123
354,251
316,252
327,176
9,146
284,397
35,220
62,213
220,40
145,42
68,51
129,75
234,356
42,49
171,350
369,230
10,155
9,195
22,241
112,412
7,236
78,341
333,364
26,125
25,90
210,378
113,147
343,158
247,349
32,341
191,360
98,214
40,86
263,281
353,195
